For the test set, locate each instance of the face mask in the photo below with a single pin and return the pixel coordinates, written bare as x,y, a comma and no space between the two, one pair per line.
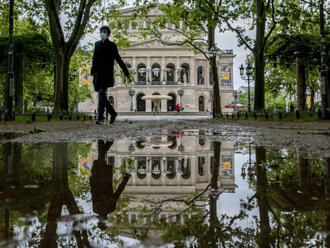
103,36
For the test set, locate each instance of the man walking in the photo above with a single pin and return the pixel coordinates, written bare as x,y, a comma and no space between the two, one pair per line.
105,53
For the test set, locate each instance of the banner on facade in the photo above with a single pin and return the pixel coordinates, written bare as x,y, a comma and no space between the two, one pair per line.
225,75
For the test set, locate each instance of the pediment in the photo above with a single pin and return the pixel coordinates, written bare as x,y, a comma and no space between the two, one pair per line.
154,43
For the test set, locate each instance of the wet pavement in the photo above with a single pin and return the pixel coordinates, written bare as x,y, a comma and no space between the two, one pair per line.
187,188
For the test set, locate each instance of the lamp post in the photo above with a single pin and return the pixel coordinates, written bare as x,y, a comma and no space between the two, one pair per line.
10,79
131,92
180,93
248,72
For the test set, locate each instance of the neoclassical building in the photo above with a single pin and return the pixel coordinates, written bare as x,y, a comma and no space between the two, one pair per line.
168,167
160,69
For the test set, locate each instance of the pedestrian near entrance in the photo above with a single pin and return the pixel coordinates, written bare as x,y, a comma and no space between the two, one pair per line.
178,108
105,53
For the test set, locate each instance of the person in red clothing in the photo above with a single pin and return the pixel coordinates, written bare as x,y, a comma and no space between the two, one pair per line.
178,108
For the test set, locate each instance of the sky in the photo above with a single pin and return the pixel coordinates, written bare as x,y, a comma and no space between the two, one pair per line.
224,41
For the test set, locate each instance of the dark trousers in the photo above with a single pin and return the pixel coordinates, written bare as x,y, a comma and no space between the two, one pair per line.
104,104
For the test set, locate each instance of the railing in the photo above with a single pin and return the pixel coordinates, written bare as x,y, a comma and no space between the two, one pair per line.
229,51
156,83
171,82
140,83
280,115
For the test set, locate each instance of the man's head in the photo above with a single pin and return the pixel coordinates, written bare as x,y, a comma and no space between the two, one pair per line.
104,32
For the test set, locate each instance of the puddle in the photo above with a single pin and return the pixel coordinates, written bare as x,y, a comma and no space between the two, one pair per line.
172,190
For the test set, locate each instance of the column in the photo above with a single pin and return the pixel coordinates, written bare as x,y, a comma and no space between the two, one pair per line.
177,66
193,72
134,66
164,106
162,72
178,176
148,106
148,74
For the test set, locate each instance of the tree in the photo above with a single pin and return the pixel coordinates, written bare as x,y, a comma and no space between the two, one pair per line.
31,50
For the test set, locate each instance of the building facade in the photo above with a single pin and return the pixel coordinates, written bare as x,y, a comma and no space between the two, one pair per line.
161,69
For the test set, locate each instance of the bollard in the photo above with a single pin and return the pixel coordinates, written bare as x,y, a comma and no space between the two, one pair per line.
297,114
70,117
255,115
233,116
266,115
90,117
280,115
14,116
33,117
238,115
78,117
221,115
84,118
227,116
246,115
61,117
0,115
49,117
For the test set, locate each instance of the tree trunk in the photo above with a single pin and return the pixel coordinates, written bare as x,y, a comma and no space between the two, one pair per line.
261,173
61,86
301,83
19,83
303,172
259,89
214,79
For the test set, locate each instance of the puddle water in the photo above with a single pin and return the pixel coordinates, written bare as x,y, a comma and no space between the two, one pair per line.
175,190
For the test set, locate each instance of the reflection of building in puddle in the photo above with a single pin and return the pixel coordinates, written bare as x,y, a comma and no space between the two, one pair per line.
171,166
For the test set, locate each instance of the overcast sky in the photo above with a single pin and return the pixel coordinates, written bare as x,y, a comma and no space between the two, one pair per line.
224,41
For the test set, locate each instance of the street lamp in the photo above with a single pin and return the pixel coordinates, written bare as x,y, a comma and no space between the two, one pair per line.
247,75
180,93
213,52
131,92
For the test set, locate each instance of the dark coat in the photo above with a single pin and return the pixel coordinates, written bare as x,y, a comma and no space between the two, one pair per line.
105,53
104,197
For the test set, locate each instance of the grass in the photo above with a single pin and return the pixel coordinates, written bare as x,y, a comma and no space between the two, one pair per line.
27,119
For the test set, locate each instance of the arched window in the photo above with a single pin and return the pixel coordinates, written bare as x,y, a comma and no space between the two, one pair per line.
141,167
170,168
171,103
140,103
185,169
184,76
155,74
155,168
201,104
142,74
200,75
170,70
201,166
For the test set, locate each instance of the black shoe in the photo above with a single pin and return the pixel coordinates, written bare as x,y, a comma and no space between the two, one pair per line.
113,118
100,122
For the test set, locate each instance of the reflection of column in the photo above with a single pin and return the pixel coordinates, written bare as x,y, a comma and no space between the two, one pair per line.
149,170
177,164
163,168
134,175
